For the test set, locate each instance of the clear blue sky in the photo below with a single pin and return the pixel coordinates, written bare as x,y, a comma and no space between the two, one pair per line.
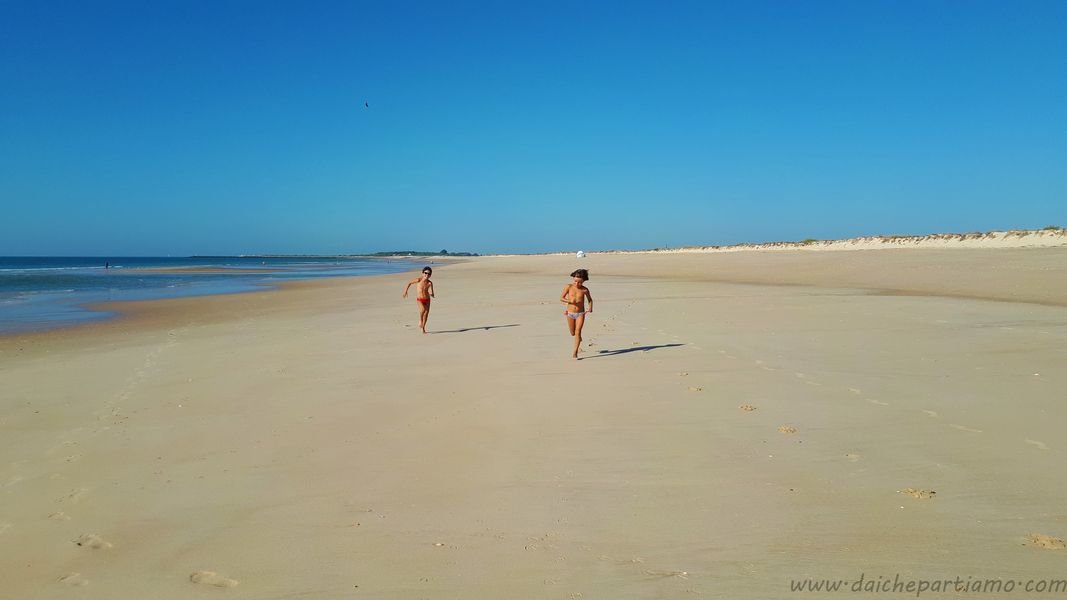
155,128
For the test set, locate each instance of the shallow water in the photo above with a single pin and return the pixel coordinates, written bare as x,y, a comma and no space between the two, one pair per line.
48,292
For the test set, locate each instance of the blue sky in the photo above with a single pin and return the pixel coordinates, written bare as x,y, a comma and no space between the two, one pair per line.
156,128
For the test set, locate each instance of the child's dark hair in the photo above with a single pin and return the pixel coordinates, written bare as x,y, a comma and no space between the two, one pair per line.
584,274
428,270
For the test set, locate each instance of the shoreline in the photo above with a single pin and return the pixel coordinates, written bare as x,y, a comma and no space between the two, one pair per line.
999,285
117,308
1039,279
158,314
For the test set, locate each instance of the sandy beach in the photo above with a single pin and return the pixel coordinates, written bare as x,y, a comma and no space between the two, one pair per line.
737,422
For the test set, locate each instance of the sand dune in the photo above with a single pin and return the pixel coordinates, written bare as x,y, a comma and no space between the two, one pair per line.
1050,237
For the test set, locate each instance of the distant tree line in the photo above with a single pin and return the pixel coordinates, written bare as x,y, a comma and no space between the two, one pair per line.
418,253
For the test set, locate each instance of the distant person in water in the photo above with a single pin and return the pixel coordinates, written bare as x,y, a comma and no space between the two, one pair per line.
574,296
423,293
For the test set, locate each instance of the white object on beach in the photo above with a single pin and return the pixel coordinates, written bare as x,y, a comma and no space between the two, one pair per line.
581,254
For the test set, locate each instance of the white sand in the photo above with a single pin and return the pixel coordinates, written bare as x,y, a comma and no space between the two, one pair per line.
300,443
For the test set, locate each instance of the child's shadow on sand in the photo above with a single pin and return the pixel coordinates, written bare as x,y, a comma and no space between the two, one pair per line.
601,353
483,327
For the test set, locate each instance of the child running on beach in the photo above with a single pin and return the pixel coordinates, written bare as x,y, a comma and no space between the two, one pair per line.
423,293
574,296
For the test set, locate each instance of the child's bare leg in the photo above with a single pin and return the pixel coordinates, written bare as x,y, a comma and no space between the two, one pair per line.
578,323
423,312
570,323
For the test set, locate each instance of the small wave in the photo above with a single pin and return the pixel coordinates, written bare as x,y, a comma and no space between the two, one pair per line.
34,269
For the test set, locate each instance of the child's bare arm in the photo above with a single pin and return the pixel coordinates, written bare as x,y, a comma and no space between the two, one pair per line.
589,295
563,296
431,290
408,287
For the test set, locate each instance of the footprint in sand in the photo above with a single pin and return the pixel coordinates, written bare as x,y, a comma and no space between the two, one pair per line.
930,413
62,446
1040,445
74,579
856,391
59,516
878,402
965,428
812,383
74,496
93,541
787,429
212,578
917,493
683,374
1047,542
800,375
663,573
695,389
4,526
747,407
853,456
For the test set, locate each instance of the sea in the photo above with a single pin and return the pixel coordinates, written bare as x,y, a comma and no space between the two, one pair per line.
38,293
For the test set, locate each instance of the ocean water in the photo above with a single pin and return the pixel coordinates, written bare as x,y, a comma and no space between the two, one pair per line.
49,292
